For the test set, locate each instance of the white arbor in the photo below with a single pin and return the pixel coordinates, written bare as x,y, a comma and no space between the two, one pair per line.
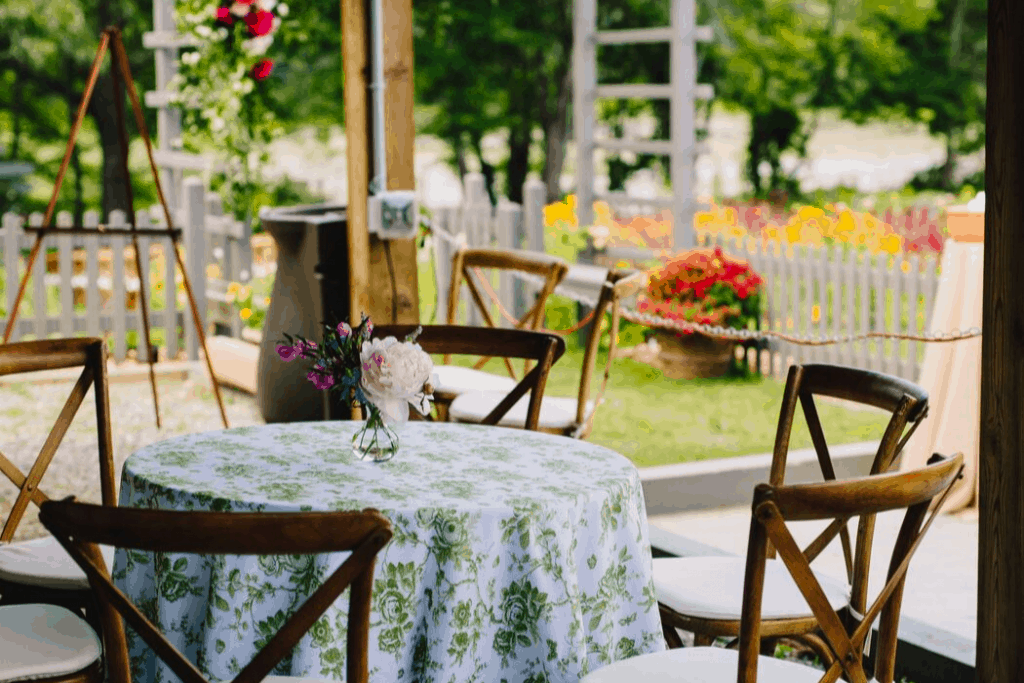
682,91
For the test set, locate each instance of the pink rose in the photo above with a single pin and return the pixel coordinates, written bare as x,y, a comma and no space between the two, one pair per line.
260,23
224,15
288,353
262,69
320,381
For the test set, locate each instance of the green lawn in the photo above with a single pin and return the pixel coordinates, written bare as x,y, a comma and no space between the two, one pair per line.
658,421
654,420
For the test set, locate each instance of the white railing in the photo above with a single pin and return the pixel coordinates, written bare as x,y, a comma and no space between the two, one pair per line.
91,286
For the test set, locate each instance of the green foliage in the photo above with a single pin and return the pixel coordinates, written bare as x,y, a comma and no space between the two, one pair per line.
46,50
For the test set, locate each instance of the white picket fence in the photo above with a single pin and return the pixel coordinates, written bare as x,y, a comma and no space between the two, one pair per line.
826,291
832,291
508,226
91,285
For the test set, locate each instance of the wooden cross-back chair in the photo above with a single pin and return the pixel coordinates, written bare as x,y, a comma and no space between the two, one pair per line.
773,508
701,594
38,570
79,527
566,416
454,380
542,347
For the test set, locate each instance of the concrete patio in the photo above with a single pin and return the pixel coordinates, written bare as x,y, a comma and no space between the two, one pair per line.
942,582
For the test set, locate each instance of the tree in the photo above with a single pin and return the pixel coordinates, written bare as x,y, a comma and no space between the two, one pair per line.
493,66
931,71
46,50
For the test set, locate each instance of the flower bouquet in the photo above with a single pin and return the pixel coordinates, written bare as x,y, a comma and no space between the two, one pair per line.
383,376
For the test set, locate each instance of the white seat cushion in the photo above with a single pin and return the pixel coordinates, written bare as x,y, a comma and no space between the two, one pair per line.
454,379
555,413
712,588
43,562
44,641
700,665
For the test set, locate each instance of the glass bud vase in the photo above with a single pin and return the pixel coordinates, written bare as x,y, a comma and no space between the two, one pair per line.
375,441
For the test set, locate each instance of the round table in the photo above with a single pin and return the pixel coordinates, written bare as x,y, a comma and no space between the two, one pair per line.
516,556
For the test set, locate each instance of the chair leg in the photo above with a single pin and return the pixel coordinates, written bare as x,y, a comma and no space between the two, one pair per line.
703,640
672,638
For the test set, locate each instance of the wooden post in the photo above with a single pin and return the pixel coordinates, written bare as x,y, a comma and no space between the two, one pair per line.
1000,655
400,148
354,54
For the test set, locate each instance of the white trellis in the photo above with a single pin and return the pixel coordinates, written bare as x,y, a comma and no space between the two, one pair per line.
682,91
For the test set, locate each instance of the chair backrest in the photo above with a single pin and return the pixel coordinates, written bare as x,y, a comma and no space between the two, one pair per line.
908,405
618,285
80,527
466,268
774,506
543,347
90,354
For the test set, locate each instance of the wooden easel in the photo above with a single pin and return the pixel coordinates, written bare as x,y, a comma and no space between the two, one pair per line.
119,70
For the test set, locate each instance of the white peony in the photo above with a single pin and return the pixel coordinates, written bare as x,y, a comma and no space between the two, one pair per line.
393,376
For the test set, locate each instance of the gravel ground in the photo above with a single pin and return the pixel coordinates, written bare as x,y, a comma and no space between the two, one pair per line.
28,411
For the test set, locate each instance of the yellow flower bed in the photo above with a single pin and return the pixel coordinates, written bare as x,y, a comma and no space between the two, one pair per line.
810,226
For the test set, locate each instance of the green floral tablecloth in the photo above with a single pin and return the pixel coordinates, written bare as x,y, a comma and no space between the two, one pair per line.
517,556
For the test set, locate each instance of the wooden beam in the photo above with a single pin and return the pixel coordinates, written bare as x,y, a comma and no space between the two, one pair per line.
1001,489
400,147
355,51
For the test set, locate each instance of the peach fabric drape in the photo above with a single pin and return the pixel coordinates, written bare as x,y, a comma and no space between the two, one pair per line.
951,374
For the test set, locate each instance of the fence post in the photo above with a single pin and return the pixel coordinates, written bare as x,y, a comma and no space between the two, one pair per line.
39,280
507,222
12,231
93,299
118,311
195,258
531,231
144,346
65,249
476,222
444,219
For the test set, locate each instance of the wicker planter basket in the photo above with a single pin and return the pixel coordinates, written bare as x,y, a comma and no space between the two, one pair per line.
693,356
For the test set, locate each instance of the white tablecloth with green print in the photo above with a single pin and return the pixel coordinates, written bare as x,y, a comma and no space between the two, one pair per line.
517,556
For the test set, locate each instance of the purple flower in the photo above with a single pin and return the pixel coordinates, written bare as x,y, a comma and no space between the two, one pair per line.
344,330
306,346
288,353
369,329
320,381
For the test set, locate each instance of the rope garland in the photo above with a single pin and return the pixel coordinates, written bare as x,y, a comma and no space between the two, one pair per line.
714,331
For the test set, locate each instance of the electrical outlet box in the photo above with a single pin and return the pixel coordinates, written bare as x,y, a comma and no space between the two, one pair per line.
393,215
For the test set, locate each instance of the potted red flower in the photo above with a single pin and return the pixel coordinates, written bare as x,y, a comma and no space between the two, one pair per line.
706,287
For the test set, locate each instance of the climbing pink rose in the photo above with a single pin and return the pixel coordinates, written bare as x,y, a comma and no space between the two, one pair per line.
224,15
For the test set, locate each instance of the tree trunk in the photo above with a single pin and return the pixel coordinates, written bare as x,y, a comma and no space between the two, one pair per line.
518,162
486,169
102,110
555,139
